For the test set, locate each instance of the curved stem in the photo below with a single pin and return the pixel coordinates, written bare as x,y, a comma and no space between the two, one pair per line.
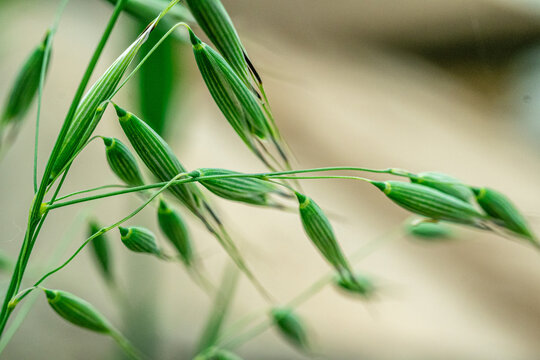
35,210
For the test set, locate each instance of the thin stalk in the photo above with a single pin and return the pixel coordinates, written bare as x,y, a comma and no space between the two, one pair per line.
44,65
265,175
35,212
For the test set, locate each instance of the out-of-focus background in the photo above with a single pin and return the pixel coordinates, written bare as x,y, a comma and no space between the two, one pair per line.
424,85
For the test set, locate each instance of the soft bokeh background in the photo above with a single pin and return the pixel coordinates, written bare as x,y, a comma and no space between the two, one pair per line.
440,85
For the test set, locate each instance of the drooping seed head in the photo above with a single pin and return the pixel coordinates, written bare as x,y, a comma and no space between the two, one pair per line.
360,285
84,121
503,211
444,183
235,100
122,162
320,232
139,239
158,157
243,189
218,26
101,250
77,311
290,326
431,203
175,230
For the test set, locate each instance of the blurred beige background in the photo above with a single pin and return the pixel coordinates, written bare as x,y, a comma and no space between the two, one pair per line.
424,85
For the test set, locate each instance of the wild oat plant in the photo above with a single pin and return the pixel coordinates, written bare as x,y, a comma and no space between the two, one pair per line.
238,91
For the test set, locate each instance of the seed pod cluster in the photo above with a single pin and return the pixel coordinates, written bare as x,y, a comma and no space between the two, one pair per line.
175,230
139,239
431,203
320,232
439,196
503,212
243,189
290,326
24,90
122,162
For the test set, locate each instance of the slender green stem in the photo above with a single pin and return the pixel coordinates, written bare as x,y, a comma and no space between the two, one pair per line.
128,348
44,66
110,186
35,212
265,175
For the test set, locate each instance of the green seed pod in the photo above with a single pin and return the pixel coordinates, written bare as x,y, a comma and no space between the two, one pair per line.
429,230
84,121
444,183
139,239
361,285
430,202
218,26
215,353
25,87
499,207
77,311
320,231
290,326
122,162
176,231
248,190
101,251
235,100
158,157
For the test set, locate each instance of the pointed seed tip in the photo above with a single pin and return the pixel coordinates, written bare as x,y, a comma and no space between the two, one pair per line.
108,141
123,231
301,197
379,184
51,294
193,38
119,111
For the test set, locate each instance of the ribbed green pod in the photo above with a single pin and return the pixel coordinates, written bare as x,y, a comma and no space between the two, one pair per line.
499,207
139,239
431,203
444,183
235,100
101,251
218,26
290,326
24,88
77,311
122,162
158,157
320,232
361,285
215,353
175,229
248,190
84,120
